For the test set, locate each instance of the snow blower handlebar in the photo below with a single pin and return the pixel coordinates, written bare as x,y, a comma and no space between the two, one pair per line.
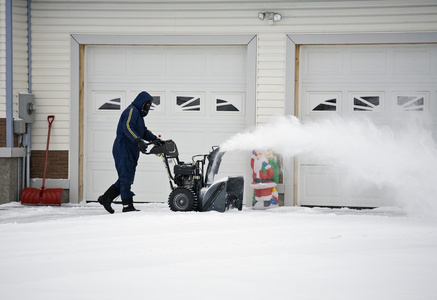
167,148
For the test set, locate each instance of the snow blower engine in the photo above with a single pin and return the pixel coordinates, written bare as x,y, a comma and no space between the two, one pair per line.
192,188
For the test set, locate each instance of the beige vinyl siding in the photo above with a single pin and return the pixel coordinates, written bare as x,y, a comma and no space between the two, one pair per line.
2,59
19,31
54,21
271,76
20,67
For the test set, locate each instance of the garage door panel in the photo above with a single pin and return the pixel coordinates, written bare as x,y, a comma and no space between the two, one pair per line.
333,189
369,61
191,141
148,65
187,62
354,188
100,143
234,67
106,64
323,61
327,182
99,176
412,61
381,63
222,133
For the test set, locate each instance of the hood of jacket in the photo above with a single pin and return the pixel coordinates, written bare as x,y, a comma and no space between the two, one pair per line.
141,99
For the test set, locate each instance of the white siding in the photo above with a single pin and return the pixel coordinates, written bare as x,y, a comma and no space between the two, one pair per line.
271,76
19,19
54,21
19,27
2,60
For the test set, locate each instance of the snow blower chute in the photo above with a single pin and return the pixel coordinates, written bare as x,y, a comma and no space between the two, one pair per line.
192,188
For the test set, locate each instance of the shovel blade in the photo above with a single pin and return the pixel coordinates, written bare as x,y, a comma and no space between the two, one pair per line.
34,196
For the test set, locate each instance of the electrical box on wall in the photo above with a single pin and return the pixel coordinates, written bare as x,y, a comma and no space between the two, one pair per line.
19,126
26,107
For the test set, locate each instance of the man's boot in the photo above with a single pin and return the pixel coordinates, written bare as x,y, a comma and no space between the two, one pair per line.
128,205
107,198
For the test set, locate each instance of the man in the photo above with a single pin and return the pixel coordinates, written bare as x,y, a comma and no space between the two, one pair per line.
129,141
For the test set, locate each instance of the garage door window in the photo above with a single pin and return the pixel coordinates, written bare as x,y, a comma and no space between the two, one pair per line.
189,103
229,103
411,103
106,101
367,102
113,104
323,102
327,105
156,103
224,105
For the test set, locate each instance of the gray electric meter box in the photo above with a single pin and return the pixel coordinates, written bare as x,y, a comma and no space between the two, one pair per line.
26,107
19,126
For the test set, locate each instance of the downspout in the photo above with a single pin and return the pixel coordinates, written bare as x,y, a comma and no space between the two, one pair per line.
9,77
10,85
29,84
29,47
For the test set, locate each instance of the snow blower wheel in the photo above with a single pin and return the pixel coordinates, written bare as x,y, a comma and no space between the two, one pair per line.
182,199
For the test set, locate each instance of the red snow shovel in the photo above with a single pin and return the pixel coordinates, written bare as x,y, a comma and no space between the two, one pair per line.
43,196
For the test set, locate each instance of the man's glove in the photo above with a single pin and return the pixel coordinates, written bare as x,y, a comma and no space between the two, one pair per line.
141,144
158,142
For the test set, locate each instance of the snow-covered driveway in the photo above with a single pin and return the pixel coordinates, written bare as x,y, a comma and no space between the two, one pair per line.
81,252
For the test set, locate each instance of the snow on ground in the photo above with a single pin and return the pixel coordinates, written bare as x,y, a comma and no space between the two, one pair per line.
81,252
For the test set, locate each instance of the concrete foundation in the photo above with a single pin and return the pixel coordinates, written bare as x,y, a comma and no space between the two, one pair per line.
11,160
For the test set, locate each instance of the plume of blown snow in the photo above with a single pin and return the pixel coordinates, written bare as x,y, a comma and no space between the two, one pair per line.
401,157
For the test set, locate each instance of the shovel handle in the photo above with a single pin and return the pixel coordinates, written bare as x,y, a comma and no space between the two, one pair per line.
50,119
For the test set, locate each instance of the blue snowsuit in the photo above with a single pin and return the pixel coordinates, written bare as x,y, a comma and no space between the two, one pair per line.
125,151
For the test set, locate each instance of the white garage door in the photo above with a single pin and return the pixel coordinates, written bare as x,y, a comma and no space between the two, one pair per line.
376,81
199,102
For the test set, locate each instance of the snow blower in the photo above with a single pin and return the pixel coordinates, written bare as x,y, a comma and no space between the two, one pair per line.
43,196
192,188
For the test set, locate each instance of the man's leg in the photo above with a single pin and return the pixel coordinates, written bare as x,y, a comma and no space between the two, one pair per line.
106,199
126,179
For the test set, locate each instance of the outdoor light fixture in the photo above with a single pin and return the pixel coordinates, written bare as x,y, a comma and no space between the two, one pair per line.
270,16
